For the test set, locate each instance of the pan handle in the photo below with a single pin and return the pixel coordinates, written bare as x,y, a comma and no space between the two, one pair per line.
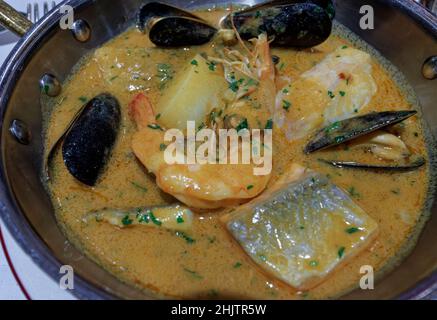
13,20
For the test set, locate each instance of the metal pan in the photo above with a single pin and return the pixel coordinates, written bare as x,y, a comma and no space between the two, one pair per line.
405,33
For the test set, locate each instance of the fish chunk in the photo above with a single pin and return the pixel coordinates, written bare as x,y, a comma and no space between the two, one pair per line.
302,229
346,75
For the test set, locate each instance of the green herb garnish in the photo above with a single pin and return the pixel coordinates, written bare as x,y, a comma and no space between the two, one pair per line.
314,263
353,192
243,125
153,218
269,124
194,62
341,252
352,230
138,186
155,126
165,73
286,105
180,220
126,221
193,273
184,236
211,66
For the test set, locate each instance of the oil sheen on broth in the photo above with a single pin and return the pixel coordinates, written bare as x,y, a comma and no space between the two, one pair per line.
209,264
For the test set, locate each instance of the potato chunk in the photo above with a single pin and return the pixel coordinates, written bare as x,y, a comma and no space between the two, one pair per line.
192,94
301,231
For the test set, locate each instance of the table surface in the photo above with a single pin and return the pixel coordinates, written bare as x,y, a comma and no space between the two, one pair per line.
20,278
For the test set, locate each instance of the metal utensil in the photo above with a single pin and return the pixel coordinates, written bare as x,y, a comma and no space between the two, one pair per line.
32,14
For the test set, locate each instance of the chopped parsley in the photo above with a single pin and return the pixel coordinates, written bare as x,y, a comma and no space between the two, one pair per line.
201,126
138,186
340,139
243,125
269,124
235,85
126,221
83,99
164,73
333,127
211,66
314,263
158,116
344,47
154,219
162,147
194,62
331,94
341,252
193,273
353,192
396,191
352,230
286,105
250,187
143,218
155,126
180,220
237,265
184,236
342,93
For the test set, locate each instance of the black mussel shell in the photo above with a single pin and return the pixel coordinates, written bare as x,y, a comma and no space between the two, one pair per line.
327,5
179,31
158,9
346,130
414,163
88,144
293,25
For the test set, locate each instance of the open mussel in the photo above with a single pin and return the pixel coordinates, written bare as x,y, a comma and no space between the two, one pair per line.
89,140
158,9
288,23
388,148
179,31
342,131
169,26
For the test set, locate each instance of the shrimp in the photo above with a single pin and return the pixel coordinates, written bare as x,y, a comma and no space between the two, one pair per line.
256,78
207,186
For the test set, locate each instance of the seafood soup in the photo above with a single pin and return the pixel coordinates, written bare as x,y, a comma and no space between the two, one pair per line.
350,174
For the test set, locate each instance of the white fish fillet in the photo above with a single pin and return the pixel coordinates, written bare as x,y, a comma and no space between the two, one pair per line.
347,76
303,229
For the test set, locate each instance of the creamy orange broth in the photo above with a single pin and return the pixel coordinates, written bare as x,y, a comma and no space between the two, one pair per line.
213,266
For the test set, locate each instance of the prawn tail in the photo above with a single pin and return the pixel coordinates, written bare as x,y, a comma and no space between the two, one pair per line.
141,110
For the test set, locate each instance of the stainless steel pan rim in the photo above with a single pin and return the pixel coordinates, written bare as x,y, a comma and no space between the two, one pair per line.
17,223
